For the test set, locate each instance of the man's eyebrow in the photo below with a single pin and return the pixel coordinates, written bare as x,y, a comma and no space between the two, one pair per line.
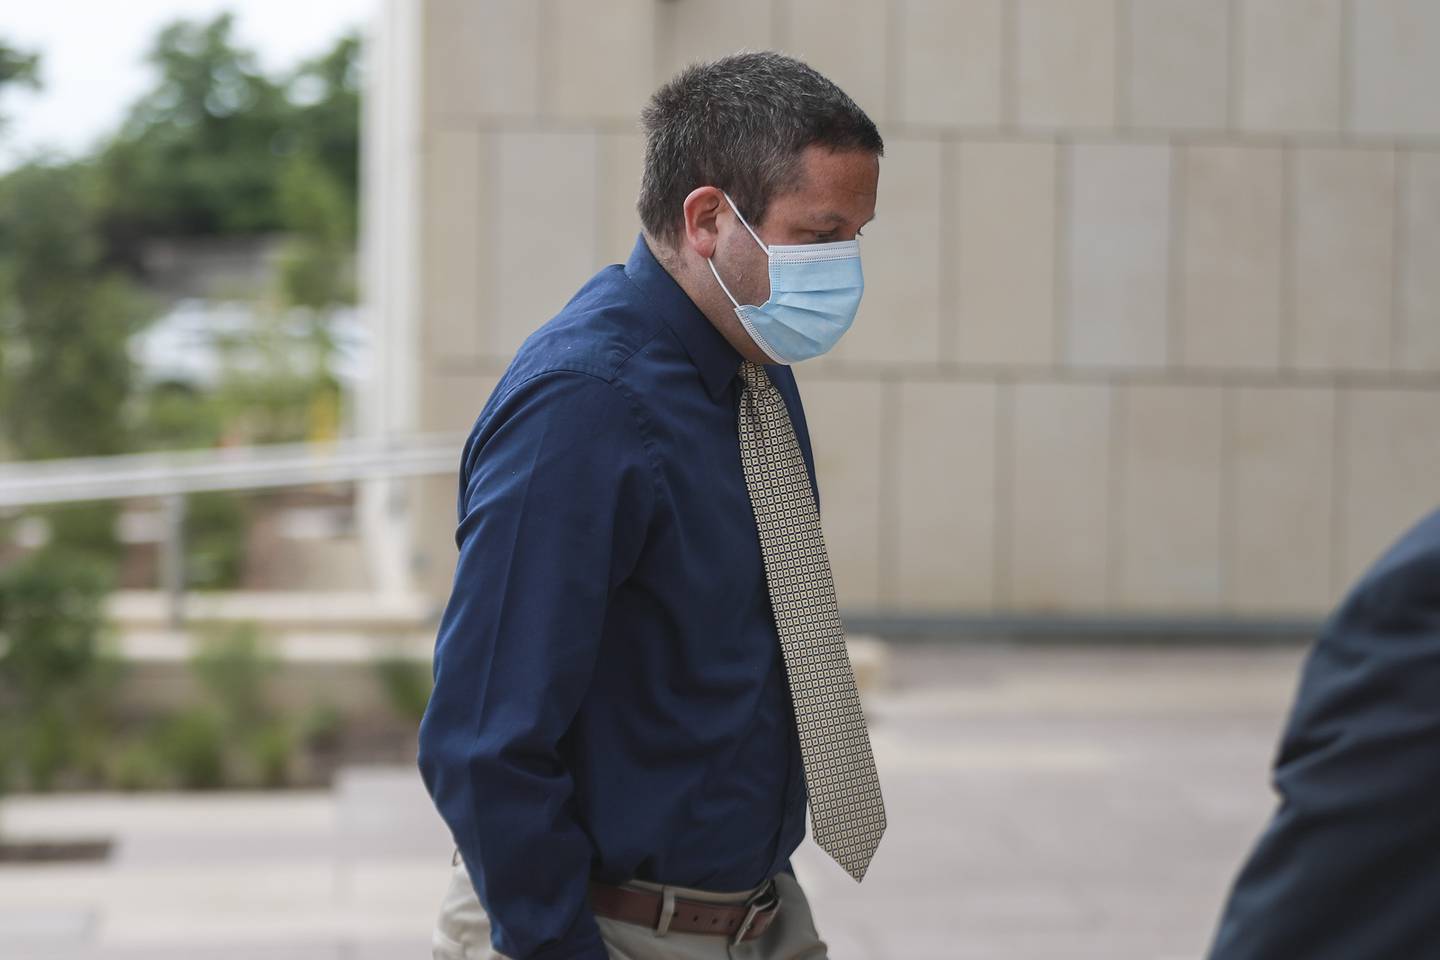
833,217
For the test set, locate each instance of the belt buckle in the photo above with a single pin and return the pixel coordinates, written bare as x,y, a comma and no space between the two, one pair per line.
765,899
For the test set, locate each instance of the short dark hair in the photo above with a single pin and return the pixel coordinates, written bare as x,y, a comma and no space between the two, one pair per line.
740,123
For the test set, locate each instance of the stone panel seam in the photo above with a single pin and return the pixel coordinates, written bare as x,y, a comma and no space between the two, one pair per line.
1010,66
1064,167
1347,68
1227,519
1004,499
1124,31
1288,320
1119,404
1175,283
891,98
1399,267
950,313
1232,67
887,557
1338,488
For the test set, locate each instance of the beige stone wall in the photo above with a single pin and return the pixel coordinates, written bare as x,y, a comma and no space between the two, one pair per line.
1152,318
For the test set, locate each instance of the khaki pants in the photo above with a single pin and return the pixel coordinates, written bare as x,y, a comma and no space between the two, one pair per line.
462,930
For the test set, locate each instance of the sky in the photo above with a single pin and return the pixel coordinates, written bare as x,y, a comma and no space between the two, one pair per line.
93,66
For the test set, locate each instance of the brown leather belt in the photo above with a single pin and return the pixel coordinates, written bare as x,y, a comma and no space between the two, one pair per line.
664,912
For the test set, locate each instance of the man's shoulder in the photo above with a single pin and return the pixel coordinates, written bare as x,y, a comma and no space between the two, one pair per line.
578,358
1411,565
600,330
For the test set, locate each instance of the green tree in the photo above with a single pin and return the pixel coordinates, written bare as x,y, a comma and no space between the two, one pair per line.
206,151
202,151
66,318
216,147
55,674
17,69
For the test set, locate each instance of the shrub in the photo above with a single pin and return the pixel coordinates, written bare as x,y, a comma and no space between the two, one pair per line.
406,684
191,744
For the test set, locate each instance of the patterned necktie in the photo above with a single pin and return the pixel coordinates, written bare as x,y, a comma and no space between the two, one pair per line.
846,810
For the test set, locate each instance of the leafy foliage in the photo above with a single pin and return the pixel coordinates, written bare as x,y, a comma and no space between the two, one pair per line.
55,676
209,149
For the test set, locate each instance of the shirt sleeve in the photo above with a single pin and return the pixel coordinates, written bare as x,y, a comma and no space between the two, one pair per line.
556,491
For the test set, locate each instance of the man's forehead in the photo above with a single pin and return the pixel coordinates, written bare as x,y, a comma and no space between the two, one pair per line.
831,216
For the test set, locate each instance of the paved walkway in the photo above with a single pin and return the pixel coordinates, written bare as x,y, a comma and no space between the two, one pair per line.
1044,803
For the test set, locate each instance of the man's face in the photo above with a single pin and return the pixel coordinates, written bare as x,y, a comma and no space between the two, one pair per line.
835,198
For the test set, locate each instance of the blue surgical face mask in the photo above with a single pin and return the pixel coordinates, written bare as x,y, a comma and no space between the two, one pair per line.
814,292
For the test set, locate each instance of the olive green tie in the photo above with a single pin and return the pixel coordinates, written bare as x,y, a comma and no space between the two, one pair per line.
847,812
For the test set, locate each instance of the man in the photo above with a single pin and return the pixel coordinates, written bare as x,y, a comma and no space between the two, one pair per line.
640,676
1349,868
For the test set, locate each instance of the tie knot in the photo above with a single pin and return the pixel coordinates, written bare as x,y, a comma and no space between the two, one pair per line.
756,380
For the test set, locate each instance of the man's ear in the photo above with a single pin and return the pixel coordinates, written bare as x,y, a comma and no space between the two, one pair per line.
702,211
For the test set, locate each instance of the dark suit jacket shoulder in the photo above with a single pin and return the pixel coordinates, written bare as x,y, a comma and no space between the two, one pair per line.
1349,866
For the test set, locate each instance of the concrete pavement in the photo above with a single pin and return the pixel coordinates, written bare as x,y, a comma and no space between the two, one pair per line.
1043,803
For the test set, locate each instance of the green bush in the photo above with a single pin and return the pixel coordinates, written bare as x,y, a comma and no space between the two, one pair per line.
215,524
191,744
234,668
322,726
137,765
257,741
270,750
55,678
406,684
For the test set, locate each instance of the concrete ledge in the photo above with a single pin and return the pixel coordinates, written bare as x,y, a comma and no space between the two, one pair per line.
356,610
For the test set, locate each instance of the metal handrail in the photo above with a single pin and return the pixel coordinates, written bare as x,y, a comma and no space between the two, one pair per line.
171,475
167,473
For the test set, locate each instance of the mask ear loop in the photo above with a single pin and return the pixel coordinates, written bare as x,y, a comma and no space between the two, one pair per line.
746,222
711,264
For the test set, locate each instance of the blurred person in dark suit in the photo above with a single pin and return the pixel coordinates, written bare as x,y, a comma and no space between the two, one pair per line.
1349,866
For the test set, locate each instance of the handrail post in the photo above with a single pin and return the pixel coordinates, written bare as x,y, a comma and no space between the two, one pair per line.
173,560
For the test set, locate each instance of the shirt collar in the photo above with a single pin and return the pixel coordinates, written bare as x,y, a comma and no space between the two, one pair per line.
717,361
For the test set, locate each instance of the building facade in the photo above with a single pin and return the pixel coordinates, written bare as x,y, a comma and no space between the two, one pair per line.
1152,312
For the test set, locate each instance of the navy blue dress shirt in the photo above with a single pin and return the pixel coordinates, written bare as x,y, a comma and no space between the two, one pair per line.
609,697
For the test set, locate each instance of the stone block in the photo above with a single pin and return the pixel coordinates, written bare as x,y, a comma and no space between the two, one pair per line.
1059,479
846,41
1231,257
1289,65
1065,67
1169,501
1004,253
480,58
1390,469
456,256
599,58
1179,55
1280,452
622,160
951,68
845,420
1419,341
546,226
945,497
1344,259
1118,243
1396,68
690,31
452,396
